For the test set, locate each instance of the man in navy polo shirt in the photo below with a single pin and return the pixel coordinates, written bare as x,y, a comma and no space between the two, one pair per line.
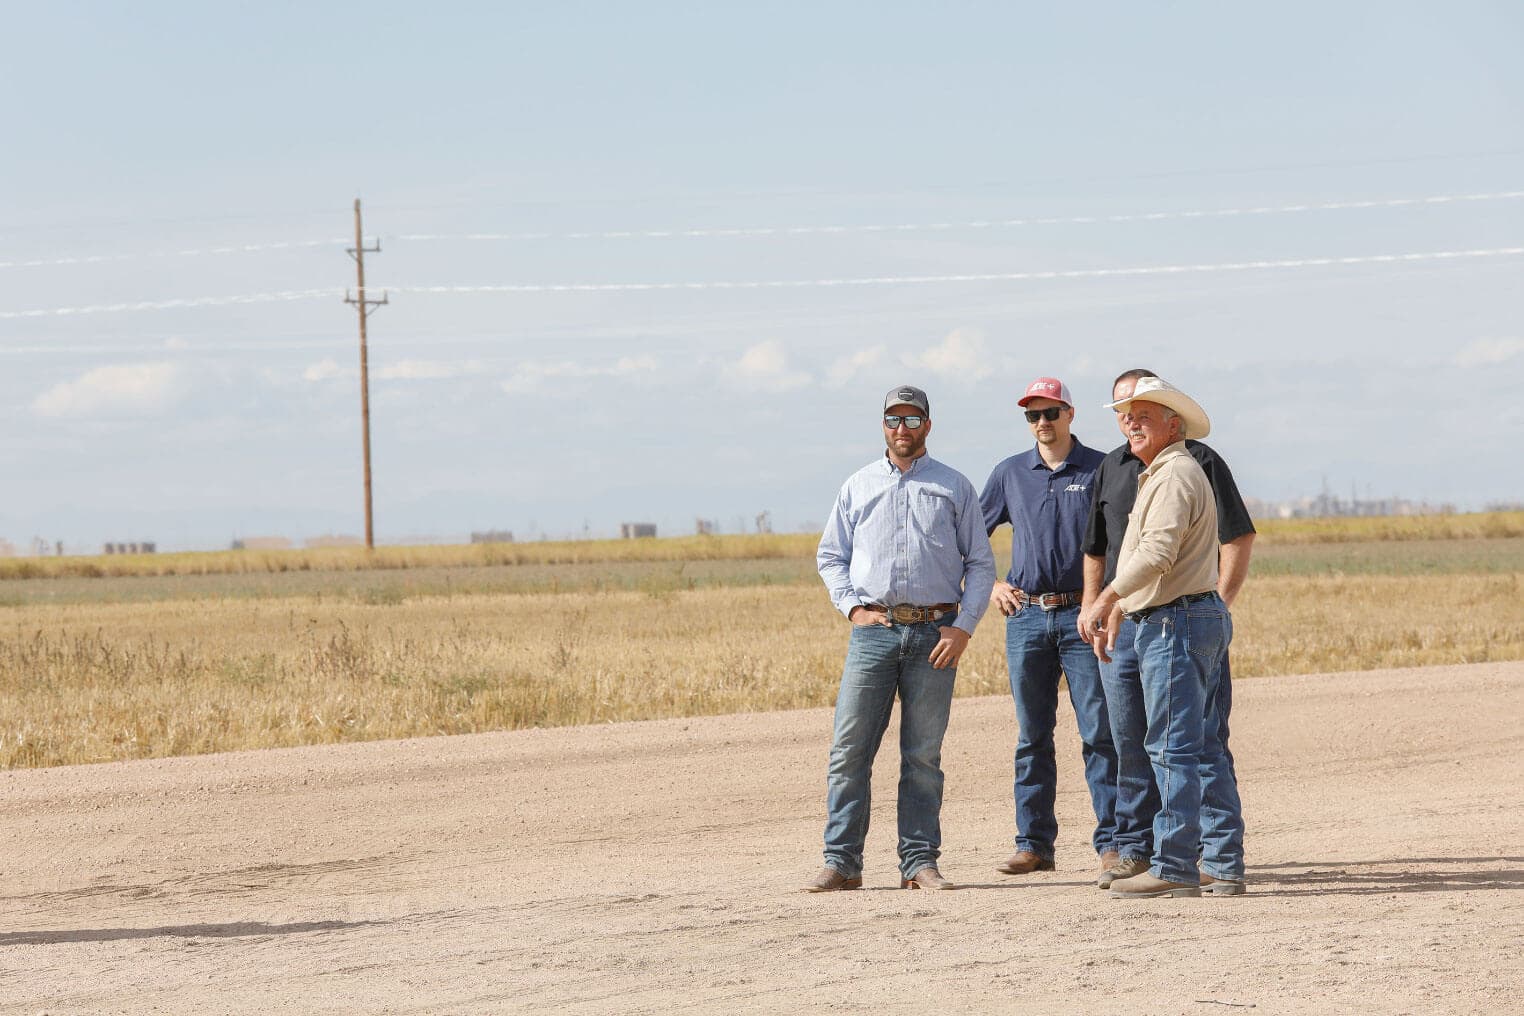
1045,495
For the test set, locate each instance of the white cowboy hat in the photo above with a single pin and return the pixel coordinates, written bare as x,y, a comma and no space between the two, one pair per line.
1156,389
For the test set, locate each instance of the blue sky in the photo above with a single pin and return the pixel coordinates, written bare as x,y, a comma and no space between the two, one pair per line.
211,152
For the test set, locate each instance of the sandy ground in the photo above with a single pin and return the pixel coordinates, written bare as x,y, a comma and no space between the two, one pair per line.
653,867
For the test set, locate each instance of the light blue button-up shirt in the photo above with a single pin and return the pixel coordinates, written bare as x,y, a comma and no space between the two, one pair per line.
915,537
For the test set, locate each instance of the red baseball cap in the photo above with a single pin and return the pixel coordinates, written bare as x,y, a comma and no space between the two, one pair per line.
1047,388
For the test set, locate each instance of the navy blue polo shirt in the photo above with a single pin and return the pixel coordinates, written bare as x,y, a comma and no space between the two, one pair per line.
1048,510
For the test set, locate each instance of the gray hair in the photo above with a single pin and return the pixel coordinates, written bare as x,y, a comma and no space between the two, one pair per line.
1170,414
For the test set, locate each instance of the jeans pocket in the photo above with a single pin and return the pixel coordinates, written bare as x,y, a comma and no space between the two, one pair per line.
1208,634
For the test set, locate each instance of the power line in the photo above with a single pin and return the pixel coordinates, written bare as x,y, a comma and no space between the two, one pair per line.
880,280
796,230
887,280
98,259
197,301
907,227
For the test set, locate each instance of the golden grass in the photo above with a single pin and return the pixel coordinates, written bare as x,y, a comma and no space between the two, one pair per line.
88,682
1497,525
1471,526
338,559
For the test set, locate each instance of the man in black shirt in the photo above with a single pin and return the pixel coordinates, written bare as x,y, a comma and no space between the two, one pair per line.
1116,488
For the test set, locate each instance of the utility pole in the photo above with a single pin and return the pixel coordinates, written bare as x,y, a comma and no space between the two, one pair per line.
364,308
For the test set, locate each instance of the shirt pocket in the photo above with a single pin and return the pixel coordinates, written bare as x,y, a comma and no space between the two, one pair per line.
932,519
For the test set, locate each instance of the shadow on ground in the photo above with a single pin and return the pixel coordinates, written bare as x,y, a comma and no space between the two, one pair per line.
1378,877
238,929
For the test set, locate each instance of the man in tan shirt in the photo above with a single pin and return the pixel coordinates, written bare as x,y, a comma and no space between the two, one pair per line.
1166,582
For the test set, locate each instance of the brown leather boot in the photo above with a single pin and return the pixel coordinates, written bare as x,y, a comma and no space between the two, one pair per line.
830,880
1124,868
1147,885
1024,862
927,878
1213,886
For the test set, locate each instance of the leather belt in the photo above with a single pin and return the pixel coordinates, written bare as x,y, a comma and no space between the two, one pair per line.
1048,601
905,613
1179,601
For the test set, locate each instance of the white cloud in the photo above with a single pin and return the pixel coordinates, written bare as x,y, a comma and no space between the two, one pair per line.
845,368
1487,352
529,375
766,366
402,370
138,388
425,370
323,370
960,355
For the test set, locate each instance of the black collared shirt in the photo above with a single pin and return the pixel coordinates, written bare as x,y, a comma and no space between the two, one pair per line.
1116,488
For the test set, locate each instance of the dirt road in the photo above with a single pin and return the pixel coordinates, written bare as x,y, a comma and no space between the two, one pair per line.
653,867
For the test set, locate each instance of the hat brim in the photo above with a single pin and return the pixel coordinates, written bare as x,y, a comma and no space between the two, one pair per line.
1197,424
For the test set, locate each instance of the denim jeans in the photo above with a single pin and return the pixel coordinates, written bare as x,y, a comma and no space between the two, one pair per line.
1182,653
882,662
1038,644
1137,793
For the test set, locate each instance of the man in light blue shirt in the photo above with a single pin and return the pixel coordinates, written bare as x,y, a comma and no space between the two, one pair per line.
906,559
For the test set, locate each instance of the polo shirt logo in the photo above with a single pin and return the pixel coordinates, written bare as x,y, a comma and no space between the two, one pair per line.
1078,488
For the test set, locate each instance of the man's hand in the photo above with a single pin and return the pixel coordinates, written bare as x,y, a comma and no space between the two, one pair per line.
947,652
862,617
1004,597
1095,618
1092,618
1106,639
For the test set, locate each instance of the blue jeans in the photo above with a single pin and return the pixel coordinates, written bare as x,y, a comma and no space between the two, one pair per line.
1038,644
1182,650
1137,794
882,662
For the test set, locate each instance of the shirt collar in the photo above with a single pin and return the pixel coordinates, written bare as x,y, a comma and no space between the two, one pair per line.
1169,452
915,463
1036,461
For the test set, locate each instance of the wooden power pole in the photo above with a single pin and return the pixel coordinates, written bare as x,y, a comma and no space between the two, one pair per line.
364,308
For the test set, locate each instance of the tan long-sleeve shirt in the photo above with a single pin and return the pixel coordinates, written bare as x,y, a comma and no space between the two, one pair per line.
1170,549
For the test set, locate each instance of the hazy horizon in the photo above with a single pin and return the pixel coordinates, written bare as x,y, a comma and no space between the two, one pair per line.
661,264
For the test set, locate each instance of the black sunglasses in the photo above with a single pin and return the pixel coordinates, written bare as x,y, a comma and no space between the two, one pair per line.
1050,414
891,421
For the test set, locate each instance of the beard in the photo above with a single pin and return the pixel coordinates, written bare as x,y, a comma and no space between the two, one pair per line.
910,447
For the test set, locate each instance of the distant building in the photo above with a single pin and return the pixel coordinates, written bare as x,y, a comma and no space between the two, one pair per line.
492,536
1326,505
705,527
636,530
262,543
333,540
129,548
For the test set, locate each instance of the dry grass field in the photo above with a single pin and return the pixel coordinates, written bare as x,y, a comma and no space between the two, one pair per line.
190,659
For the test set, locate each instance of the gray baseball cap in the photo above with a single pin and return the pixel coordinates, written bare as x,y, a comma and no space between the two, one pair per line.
907,395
